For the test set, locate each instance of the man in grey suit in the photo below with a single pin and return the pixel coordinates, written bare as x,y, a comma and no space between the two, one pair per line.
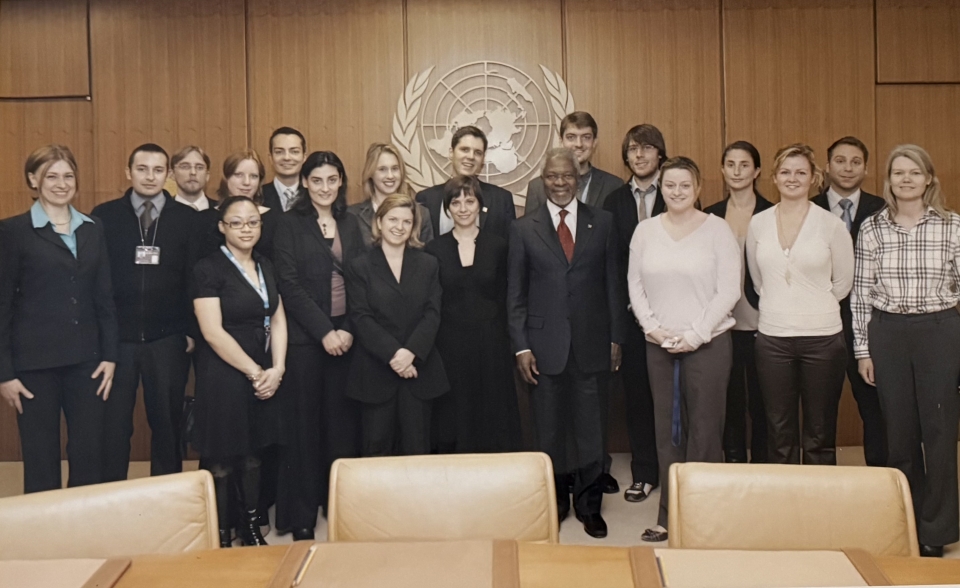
566,314
578,132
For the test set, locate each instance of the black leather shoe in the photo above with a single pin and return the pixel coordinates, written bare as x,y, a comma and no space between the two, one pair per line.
563,511
608,484
638,492
594,525
303,534
249,530
225,539
654,536
931,550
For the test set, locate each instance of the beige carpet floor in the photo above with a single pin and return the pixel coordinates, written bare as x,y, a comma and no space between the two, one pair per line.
625,520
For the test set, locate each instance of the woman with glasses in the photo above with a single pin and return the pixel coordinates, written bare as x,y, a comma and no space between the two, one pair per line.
239,365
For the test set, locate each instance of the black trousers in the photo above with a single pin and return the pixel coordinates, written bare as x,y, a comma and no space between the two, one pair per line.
71,390
703,392
399,426
802,372
325,426
640,421
743,396
868,401
162,366
571,401
916,362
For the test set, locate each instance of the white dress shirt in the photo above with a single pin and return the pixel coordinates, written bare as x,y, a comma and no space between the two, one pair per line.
571,220
649,195
201,203
286,200
834,200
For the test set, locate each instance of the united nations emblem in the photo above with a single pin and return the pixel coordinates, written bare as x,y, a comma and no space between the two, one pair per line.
518,117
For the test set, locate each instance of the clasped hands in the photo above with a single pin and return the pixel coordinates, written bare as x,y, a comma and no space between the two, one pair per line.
682,345
337,342
265,382
402,363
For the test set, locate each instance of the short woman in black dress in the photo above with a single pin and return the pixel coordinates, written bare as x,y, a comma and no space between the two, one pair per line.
480,414
240,363
315,240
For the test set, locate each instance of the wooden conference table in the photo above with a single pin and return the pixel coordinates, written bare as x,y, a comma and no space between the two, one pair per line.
541,566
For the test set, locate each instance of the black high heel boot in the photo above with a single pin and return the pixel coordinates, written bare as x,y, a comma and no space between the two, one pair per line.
249,527
221,487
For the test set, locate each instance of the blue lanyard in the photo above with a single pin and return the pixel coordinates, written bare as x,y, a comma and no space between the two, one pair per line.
262,290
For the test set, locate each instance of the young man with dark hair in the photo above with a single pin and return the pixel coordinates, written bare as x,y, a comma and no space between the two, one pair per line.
150,242
846,170
578,131
643,150
467,150
288,151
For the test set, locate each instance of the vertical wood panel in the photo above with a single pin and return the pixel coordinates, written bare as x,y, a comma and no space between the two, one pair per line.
332,70
917,40
652,61
167,72
43,48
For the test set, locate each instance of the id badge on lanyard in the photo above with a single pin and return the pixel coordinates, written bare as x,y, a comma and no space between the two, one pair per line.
261,290
148,254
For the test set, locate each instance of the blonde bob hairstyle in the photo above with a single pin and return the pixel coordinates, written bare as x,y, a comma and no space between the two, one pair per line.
370,166
799,150
42,159
398,201
932,196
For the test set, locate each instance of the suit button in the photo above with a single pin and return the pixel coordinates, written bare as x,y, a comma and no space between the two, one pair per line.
73,279
75,321
73,300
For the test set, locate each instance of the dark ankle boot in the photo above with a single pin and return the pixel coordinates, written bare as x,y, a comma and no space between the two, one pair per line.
225,540
221,486
249,529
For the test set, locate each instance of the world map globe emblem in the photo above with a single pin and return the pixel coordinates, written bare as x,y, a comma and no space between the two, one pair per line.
518,115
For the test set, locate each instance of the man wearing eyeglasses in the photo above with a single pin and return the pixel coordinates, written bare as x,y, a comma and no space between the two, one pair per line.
191,171
151,246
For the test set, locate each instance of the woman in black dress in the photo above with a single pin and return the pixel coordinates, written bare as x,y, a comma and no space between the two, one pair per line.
58,325
480,414
314,242
394,293
240,363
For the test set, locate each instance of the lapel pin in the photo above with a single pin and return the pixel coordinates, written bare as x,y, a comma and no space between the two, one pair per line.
589,226
484,209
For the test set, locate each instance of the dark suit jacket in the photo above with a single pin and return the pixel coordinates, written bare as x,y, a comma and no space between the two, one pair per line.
601,185
364,213
720,209
623,206
55,310
497,214
554,306
389,316
305,266
270,197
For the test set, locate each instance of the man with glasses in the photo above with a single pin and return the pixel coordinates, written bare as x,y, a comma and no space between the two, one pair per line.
191,171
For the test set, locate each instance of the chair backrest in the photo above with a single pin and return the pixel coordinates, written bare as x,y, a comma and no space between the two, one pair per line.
791,507
163,514
443,497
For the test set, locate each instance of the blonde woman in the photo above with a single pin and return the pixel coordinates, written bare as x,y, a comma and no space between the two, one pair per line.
907,336
384,175
801,260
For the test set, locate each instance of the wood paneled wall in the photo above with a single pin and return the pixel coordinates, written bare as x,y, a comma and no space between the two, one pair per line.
223,73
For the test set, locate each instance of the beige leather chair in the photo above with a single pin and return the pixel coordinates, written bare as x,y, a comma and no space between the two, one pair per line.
164,514
791,507
443,497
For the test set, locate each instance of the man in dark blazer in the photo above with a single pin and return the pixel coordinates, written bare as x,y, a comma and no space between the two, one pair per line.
288,151
846,170
643,150
467,150
150,242
566,316
578,131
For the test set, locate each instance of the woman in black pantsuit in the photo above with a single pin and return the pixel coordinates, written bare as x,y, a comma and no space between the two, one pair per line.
480,413
239,364
314,242
394,293
58,325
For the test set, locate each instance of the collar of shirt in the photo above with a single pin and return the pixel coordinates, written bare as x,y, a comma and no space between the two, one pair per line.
138,201
884,216
285,201
571,219
833,199
651,189
201,203
40,219
584,185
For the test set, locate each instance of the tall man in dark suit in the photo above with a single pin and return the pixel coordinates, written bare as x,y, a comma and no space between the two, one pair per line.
643,150
288,151
467,150
566,316
151,249
846,170
578,131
